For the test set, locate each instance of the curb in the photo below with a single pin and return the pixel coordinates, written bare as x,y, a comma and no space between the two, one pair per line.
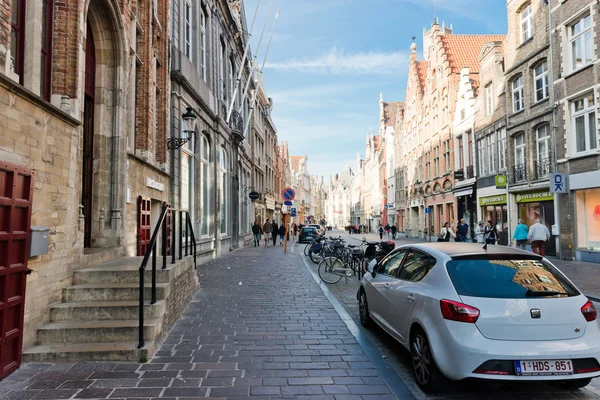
389,376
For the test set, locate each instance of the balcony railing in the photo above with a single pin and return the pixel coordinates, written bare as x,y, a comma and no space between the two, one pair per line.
542,168
236,122
470,173
520,172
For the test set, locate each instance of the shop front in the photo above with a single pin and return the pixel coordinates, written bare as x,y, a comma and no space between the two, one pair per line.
534,205
495,209
466,206
587,209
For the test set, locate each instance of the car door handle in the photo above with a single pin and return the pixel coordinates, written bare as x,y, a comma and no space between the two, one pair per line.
411,298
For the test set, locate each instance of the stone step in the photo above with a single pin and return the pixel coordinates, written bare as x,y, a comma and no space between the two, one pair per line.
112,292
118,274
115,351
104,310
96,331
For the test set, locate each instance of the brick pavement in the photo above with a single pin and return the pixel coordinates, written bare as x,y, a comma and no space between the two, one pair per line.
259,327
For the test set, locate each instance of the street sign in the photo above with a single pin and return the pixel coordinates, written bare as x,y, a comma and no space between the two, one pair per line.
559,183
284,209
288,203
501,181
459,175
427,210
386,206
288,194
254,195
293,212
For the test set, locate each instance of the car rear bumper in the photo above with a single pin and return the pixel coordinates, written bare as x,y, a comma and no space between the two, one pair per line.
460,350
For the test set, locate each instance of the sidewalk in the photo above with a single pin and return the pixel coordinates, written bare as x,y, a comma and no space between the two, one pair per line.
259,326
585,275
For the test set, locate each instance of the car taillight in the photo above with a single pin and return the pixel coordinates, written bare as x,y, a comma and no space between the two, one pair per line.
455,311
589,311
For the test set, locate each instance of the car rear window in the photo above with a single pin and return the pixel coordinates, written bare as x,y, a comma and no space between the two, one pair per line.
507,279
309,230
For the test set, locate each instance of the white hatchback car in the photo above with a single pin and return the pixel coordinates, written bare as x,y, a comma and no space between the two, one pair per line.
465,312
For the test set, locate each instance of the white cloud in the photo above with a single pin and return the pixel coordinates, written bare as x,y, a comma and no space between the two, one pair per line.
339,62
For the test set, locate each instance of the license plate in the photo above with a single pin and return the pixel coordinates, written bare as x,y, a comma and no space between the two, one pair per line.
545,367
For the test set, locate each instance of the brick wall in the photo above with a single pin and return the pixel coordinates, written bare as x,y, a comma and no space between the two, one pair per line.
65,47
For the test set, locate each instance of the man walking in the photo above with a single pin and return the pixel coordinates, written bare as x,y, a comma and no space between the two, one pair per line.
462,230
394,230
275,229
538,235
256,231
268,230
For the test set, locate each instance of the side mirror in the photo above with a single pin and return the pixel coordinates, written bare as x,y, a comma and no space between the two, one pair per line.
371,267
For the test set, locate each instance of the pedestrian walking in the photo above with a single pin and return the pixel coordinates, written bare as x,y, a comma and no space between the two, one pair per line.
268,230
387,230
274,233
479,232
256,231
380,232
281,234
446,233
462,231
538,235
490,233
295,230
394,230
520,235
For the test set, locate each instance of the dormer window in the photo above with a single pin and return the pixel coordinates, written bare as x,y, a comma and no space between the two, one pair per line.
526,18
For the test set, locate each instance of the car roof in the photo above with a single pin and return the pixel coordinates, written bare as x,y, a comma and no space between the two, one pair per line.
454,249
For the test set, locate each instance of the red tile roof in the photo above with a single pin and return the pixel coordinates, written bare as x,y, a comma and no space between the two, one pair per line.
462,50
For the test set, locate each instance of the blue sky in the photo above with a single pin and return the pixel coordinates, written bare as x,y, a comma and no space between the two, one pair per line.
330,59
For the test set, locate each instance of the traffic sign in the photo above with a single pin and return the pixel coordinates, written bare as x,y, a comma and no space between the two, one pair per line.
427,210
293,213
288,203
288,194
559,183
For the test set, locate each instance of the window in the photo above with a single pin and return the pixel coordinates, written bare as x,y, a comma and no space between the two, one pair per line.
188,30
587,206
543,143
491,144
481,157
17,38
416,265
517,93
526,24
582,46
447,156
584,124
436,161
223,168
46,51
231,74
222,56
187,174
502,150
520,149
205,171
391,264
540,78
489,99
203,59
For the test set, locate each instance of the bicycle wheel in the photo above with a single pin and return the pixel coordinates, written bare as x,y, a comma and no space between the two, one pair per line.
326,268
307,248
316,257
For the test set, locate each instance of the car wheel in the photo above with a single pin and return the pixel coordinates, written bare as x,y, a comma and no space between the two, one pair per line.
427,374
363,309
573,384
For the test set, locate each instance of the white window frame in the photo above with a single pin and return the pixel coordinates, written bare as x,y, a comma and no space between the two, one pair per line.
585,38
203,59
588,110
491,152
526,19
187,151
489,99
517,93
206,188
224,198
222,56
481,149
188,32
520,148
542,140
502,150
543,78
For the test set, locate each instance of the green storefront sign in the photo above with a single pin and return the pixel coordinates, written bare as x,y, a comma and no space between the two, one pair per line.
501,181
492,200
534,197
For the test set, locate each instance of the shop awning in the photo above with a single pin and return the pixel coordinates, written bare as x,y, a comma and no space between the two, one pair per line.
463,192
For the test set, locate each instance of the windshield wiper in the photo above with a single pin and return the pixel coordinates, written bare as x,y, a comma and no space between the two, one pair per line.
543,293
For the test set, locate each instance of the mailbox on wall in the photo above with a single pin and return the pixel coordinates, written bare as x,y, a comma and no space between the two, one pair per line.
39,240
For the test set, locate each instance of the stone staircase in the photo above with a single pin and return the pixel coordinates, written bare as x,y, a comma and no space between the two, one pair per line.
97,319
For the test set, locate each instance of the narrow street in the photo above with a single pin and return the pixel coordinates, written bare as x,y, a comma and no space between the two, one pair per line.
261,327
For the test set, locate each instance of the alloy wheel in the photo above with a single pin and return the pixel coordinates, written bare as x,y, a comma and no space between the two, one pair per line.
421,359
363,309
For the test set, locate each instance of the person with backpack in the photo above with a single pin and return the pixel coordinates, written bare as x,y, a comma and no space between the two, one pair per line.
257,232
380,232
281,234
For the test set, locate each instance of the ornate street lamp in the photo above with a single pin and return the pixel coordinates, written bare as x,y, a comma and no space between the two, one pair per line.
189,119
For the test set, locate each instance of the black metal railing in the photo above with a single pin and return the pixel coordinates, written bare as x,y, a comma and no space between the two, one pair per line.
520,172
236,122
542,168
190,240
470,172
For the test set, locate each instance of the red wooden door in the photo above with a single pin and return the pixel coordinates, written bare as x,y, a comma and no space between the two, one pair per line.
143,225
16,191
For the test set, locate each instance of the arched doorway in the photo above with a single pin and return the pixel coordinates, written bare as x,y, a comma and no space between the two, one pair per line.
88,135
